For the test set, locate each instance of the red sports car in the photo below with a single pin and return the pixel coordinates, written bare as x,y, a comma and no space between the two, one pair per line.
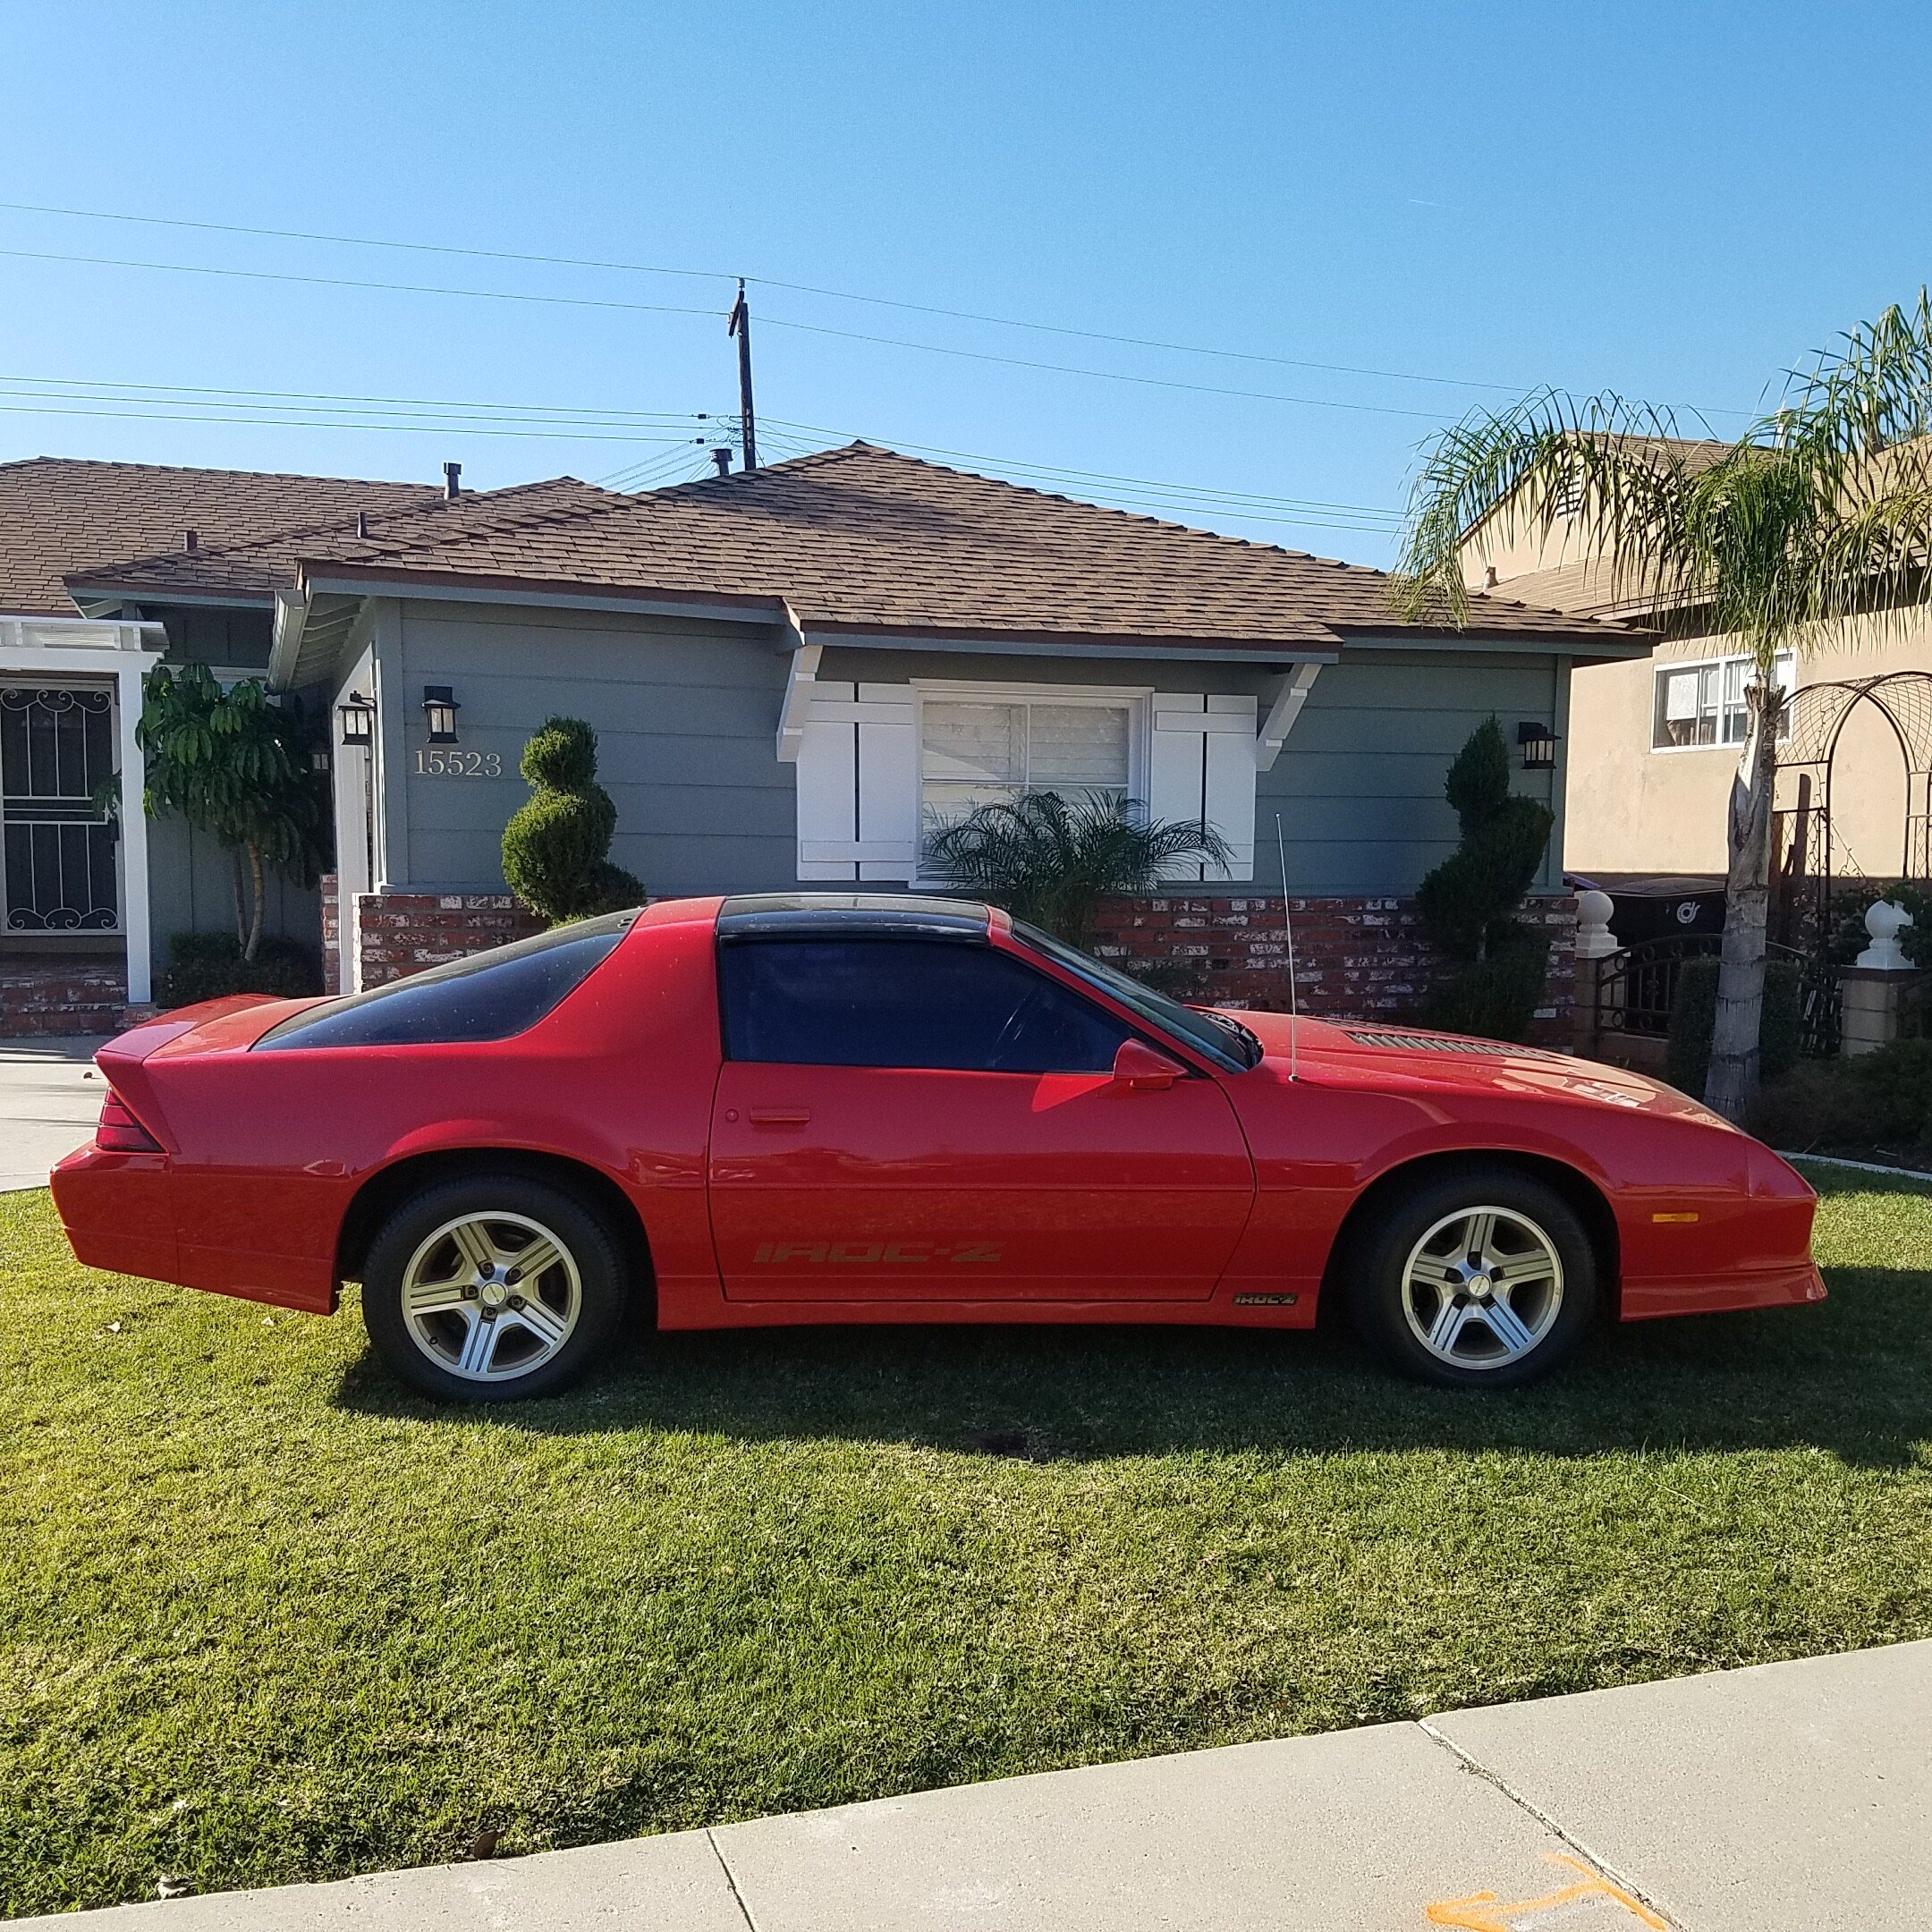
846,1108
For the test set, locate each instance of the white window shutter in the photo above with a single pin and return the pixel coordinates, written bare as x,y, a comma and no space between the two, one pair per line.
827,771
1177,763
857,783
888,782
1228,787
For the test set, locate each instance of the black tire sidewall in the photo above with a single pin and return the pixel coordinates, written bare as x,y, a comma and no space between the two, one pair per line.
1375,1283
600,1271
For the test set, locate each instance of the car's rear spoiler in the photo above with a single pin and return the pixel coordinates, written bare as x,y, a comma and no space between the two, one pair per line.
124,1060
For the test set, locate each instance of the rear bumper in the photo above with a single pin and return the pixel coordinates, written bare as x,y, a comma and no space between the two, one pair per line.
118,1213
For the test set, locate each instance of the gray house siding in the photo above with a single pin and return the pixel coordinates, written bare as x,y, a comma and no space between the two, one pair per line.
191,889
686,714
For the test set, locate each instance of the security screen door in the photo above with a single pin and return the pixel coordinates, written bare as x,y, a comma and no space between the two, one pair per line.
57,751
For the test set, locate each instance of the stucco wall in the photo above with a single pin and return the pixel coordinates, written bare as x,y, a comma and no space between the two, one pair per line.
686,715
1635,809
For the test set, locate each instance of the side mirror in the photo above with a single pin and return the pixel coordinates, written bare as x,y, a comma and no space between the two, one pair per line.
1140,1068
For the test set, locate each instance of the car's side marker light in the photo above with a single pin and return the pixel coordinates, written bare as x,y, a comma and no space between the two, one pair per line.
1662,1218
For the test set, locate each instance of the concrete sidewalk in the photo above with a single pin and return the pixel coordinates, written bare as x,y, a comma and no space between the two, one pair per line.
50,1096
1788,1798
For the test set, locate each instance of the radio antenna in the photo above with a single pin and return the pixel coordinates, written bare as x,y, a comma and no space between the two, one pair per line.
1294,1010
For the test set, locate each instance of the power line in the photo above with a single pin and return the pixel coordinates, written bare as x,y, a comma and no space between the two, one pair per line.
813,328
772,282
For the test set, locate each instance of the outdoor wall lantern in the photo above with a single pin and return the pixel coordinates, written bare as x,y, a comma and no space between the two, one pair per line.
356,717
1538,745
440,708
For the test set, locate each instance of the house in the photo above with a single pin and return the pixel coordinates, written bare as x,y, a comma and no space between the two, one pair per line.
791,669
1655,739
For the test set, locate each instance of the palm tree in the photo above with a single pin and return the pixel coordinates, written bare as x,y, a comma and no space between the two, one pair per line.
1051,861
1820,511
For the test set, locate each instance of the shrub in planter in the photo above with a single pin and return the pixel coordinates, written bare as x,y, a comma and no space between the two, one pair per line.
1881,1100
1694,1012
204,966
554,847
1468,903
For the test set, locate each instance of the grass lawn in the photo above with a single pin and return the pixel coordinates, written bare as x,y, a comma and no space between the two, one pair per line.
264,1618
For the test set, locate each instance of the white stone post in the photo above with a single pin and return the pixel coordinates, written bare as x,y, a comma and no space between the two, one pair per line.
1594,942
1868,989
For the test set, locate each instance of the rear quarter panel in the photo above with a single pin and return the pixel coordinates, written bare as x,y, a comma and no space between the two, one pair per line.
272,1147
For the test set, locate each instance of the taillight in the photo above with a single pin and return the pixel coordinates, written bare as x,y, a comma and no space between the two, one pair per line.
119,1132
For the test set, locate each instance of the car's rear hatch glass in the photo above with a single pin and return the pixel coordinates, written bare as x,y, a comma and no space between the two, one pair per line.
488,997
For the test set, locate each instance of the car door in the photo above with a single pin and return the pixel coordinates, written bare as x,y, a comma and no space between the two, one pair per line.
933,1120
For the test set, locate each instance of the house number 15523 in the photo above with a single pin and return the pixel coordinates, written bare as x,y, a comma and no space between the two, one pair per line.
441,764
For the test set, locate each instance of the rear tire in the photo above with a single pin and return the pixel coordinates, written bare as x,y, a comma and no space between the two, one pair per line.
1483,1278
493,1287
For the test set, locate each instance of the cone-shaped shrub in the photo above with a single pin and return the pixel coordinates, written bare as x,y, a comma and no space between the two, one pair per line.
554,847
1468,903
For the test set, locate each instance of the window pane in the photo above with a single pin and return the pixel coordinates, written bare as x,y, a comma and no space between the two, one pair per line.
907,1003
488,997
1707,722
1736,712
984,743
1077,748
1676,707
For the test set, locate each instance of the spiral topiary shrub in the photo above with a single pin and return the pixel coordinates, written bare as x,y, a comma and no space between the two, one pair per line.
1468,903
554,847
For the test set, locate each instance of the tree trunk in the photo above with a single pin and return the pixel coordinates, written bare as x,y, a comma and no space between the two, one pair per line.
1732,1078
240,911
261,889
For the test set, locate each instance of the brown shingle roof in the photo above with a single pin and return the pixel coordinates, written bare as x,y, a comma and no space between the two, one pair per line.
257,566
59,515
863,538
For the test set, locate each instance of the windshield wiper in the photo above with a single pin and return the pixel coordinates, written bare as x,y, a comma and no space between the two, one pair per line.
1250,1040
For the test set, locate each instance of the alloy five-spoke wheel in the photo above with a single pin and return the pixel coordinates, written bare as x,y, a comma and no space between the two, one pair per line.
489,1296
1480,1275
492,1286
1482,1287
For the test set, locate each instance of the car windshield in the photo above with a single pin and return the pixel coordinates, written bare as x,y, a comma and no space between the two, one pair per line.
1226,1041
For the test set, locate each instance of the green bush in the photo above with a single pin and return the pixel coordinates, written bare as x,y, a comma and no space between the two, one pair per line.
204,966
1881,1100
1468,903
554,846
1694,1013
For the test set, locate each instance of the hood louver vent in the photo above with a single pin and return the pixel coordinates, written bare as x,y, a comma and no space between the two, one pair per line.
1444,1043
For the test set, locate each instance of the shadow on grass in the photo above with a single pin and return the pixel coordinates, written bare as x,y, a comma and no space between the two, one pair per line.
1852,1376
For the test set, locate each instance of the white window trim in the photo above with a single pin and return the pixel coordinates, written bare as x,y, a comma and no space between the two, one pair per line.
1138,697
1678,664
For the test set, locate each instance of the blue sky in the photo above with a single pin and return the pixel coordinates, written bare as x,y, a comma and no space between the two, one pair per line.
1674,200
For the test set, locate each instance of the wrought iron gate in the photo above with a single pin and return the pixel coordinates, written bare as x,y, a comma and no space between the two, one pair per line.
56,752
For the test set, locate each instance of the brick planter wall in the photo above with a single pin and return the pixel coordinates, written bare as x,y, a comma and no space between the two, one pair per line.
1358,959
398,934
331,934
45,998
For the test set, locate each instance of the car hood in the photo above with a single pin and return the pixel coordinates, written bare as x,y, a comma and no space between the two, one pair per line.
1399,1059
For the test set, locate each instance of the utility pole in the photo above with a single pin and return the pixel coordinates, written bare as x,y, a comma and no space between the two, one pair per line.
739,326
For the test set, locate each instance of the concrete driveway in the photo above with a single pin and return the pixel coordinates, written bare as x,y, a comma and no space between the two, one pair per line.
50,1096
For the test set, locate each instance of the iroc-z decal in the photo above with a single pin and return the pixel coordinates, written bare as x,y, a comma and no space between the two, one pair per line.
888,1254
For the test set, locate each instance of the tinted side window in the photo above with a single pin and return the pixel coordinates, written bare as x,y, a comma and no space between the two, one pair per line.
489,996
906,1003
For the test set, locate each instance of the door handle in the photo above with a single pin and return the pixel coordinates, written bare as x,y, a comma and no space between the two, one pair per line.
779,1116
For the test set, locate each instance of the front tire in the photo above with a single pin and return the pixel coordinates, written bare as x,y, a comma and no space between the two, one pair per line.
1484,1277
493,1287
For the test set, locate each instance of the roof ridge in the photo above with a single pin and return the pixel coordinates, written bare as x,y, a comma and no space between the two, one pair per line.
275,475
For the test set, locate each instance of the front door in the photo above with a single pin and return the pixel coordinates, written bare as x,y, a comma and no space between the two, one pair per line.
56,846
931,1120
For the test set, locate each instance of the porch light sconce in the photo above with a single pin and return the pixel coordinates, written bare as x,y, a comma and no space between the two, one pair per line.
1537,743
440,708
356,717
